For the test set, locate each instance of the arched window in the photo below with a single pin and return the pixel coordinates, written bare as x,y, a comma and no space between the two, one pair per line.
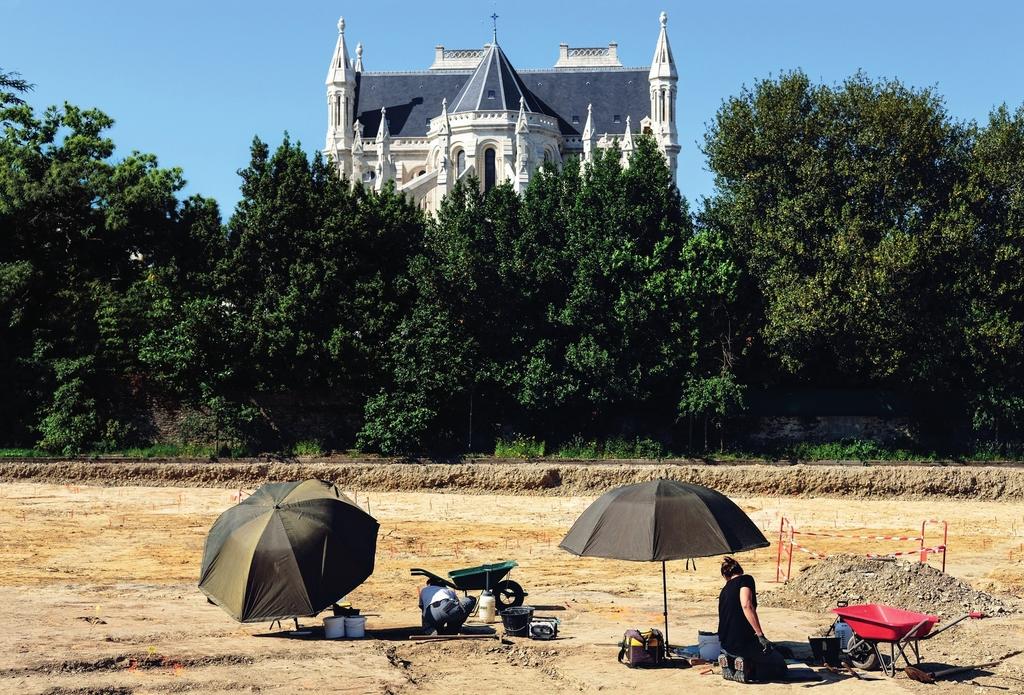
490,175
421,172
548,157
460,162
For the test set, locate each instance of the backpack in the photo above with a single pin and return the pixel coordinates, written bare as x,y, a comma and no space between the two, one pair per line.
642,648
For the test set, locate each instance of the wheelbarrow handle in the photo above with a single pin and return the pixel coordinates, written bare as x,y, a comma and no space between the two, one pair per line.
973,615
419,572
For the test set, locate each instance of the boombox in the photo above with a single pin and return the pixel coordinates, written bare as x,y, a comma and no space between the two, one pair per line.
544,628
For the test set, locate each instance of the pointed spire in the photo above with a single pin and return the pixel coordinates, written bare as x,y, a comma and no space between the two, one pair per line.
588,135
358,67
663,65
446,124
383,134
446,146
522,126
357,137
358,159
627,143
340,71
385,166
627,138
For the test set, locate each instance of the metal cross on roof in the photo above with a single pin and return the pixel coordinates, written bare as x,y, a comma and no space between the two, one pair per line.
494,19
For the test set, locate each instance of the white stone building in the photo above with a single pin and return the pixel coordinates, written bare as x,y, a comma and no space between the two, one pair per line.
472,113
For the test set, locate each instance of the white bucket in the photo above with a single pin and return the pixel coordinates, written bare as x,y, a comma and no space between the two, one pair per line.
355,627
334,627
709,646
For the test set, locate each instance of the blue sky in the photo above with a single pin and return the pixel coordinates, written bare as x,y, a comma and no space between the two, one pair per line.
193,81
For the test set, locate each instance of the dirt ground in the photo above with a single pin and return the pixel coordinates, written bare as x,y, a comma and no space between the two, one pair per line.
99,584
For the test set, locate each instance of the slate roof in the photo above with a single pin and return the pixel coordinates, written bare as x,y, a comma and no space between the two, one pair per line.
413,98
494,86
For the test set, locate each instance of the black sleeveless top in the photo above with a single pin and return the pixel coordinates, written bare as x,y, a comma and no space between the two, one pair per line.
734,631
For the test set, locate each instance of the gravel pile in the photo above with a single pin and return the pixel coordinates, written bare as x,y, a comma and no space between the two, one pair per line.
907,585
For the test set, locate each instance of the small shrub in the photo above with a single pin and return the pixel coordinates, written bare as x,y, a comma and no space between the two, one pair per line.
615,448
618,448
578,448
854,450
519,448
307,447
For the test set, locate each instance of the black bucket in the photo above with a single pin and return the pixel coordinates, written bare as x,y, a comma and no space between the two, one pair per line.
517,620
825,650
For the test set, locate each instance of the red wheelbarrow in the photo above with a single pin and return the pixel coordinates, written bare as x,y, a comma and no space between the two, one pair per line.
875,624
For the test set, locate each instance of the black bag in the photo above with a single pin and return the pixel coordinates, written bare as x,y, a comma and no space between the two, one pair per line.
644,649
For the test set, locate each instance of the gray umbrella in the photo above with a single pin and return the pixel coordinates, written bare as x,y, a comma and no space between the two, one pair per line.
662,520
291,549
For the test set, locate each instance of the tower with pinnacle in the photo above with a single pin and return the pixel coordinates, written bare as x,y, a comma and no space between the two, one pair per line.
472,115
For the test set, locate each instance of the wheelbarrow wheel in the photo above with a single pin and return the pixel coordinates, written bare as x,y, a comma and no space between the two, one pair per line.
863,656
508,594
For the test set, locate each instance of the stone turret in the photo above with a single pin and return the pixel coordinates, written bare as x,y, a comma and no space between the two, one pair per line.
588,135
663,80
385,165
627,143
522,165
358,154
444,165
341,89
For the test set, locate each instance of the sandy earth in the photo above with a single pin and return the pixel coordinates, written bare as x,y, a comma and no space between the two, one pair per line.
99,585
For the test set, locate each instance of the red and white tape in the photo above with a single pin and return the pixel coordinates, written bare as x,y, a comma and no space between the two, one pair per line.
916,551
860,538
809,551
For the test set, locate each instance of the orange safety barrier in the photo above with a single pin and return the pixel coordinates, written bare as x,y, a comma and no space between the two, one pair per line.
787,545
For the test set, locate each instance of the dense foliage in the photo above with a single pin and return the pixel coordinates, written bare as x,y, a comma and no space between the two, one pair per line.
859,238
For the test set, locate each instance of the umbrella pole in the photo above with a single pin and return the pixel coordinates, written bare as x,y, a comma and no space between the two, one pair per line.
664,596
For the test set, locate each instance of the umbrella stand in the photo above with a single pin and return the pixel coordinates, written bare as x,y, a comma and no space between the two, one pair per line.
664,596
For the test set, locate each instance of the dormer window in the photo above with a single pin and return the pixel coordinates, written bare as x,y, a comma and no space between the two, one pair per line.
616,118
575,120
490,93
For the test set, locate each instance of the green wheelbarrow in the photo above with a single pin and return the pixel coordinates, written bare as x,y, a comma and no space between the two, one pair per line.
507,593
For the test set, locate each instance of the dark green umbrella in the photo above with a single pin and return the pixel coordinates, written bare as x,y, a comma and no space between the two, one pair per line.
662,520
290,549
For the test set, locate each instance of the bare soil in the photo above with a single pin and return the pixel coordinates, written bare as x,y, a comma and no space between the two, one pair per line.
99,582
1004,482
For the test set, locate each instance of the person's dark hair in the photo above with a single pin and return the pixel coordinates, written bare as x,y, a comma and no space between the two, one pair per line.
730,568
435,582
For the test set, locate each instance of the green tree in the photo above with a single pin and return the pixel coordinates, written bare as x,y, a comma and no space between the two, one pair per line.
77,229
836,201
993,201
316,280
12,86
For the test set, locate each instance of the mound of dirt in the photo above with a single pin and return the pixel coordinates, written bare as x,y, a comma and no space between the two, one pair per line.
907,585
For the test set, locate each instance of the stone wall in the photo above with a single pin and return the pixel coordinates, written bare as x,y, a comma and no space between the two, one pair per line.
769,430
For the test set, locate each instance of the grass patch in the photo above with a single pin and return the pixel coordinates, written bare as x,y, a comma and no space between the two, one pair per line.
167,451
23,453
519,448
615,448
854,450
307,447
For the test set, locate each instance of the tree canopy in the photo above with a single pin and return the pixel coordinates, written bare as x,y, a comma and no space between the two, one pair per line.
859,237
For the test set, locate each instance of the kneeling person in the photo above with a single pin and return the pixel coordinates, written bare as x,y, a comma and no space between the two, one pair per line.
443,611
739,629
